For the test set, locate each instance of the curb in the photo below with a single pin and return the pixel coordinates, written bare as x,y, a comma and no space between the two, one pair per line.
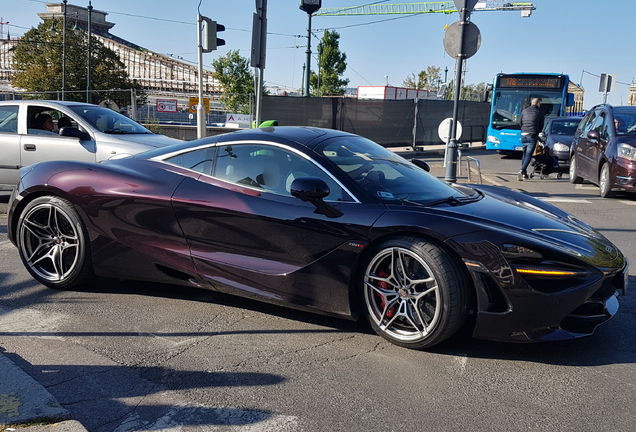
23,401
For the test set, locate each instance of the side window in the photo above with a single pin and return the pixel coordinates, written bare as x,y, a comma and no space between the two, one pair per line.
587,123
47,121
600,125
269,168
9,119
198,160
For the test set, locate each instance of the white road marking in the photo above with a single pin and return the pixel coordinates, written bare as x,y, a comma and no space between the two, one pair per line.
628,202
580,186
566,200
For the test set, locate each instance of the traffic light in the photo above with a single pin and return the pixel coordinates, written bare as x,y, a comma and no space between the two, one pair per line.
210,39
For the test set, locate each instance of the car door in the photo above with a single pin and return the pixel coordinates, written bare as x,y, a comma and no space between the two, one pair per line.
247,234
9,146
38,145
582,146
596,147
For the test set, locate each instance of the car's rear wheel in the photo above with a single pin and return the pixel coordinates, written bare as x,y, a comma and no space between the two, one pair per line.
53,243
415,293
574,177
604,183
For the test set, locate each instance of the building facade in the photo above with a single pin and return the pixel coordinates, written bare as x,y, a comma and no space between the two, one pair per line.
151,70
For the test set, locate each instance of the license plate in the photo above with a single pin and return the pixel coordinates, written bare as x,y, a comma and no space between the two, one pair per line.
519,148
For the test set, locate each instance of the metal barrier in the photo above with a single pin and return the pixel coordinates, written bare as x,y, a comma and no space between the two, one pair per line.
468,168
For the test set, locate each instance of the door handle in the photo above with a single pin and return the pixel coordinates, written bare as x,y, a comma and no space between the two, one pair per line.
29,147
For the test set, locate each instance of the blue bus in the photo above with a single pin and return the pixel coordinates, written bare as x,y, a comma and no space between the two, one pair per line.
512,93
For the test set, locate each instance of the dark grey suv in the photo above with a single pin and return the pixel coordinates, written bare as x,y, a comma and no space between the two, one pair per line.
604,149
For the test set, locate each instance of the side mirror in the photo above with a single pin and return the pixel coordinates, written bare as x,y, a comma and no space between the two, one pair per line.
309,188
74,133
420,163
314,189
593,135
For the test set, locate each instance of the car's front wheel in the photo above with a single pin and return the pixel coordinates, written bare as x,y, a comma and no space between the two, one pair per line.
415,294
574,176
53,243
604,183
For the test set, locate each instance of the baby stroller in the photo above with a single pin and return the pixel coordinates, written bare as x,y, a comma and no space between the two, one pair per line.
544,164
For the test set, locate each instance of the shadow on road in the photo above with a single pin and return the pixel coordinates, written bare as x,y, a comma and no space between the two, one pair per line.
112,397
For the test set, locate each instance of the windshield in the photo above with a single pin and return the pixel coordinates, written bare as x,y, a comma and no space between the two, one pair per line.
108,121
387,176
509,103
564,127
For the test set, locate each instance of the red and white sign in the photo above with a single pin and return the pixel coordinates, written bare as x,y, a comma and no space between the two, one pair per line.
167,105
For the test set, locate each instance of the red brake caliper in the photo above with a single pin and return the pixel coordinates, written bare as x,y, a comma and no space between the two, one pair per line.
385,286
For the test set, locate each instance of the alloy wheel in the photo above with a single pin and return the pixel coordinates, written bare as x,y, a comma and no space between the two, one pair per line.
49,242
402,294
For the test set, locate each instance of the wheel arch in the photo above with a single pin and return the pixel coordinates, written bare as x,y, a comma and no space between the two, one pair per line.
355,298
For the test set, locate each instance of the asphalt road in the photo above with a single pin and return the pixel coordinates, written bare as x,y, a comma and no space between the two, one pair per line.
127,356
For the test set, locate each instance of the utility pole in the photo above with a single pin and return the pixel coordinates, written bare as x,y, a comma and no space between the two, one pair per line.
88,72
64,52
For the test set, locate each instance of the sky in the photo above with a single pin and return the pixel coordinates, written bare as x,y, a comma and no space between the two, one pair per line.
581,38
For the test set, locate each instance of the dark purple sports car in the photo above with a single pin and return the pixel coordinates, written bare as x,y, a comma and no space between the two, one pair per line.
323,221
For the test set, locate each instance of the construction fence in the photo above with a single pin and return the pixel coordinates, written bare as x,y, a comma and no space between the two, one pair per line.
391,123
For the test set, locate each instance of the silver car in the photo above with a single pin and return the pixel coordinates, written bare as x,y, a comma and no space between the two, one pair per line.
33,131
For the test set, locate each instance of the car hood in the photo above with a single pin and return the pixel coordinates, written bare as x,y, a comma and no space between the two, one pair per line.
149,140
563,139
504,210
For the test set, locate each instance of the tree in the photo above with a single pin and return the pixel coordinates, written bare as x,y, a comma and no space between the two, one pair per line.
38,62
233,72
332,64
470,92
426,80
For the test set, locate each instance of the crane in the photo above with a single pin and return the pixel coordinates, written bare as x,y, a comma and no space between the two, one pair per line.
446,7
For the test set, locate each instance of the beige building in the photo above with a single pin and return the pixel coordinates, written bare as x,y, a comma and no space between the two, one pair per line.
151,70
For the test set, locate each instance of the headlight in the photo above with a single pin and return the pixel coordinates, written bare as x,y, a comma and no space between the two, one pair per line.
626,151
493,139
561,147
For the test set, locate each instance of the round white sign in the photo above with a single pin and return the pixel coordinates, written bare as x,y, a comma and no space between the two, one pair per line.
444,130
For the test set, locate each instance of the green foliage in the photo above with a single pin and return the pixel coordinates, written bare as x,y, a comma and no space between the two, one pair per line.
233,72
426,80
470,92
38,60
332,64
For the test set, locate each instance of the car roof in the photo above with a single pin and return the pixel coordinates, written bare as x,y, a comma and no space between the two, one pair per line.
305,136
43,101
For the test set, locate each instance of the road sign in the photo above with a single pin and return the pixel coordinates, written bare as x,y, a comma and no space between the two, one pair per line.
195,101
444,130
166,105
452,40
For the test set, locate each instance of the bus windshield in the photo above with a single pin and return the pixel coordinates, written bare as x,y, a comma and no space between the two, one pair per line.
508,104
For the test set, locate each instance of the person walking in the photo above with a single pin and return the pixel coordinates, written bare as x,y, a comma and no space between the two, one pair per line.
531,124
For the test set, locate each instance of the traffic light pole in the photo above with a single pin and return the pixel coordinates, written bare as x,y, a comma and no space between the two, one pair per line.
451,149
200,107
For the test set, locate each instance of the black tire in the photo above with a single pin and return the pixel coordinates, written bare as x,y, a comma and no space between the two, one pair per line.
574,176
53,243
419,307
604,182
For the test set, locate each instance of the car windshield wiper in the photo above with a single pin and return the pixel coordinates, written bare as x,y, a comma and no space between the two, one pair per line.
453,200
